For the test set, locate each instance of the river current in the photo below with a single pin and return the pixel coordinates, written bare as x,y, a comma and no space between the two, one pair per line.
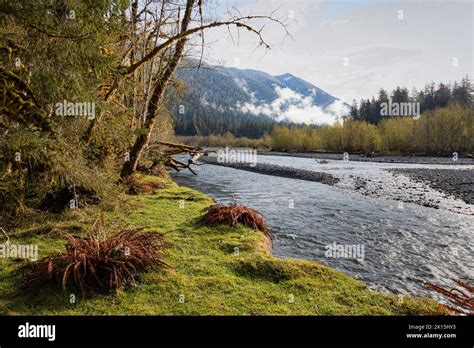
401,245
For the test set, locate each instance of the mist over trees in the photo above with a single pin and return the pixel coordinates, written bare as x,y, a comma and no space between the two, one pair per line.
204,121
444,125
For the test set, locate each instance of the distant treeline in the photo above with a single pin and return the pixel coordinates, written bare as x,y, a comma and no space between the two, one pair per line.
430,98
228,139
204,123
440,131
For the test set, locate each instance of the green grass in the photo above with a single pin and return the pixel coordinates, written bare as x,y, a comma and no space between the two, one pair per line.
207,276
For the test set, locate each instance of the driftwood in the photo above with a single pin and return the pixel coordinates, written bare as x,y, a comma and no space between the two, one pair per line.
175,149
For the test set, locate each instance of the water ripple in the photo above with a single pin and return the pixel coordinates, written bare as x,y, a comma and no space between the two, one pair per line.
404,246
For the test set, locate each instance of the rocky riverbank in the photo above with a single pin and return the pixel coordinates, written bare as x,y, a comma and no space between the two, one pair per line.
454,182
440,187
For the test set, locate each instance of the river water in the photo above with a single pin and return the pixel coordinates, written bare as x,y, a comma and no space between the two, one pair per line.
401,245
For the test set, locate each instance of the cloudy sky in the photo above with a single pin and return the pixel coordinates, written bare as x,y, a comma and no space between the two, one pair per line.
351,48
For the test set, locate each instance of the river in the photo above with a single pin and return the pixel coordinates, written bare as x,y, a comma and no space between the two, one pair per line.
404,244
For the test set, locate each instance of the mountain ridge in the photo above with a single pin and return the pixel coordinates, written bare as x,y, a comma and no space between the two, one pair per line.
221,99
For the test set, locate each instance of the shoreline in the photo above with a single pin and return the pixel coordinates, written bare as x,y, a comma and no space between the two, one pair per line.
457,183
205,271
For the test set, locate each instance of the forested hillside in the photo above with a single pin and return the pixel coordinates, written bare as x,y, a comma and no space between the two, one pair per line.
244,102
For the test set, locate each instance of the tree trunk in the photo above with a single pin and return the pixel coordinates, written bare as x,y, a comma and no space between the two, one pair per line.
143,139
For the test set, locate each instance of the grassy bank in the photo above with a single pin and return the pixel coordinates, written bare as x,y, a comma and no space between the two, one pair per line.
207,276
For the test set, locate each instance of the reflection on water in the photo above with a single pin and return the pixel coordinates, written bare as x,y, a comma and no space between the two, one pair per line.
404,246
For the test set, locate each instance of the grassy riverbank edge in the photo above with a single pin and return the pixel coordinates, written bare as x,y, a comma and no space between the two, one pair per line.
214,271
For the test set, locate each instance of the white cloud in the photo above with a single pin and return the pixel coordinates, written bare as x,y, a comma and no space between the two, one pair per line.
205,102
295,107
244,86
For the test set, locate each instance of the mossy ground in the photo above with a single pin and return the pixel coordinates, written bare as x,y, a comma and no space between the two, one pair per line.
207,275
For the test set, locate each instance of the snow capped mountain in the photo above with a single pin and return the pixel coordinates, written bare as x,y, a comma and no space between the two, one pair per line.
246,93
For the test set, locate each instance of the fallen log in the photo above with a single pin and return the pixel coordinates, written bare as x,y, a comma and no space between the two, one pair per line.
194,152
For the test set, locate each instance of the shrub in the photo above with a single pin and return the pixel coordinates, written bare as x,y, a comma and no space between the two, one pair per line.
397,134
235,214
92,263
47,174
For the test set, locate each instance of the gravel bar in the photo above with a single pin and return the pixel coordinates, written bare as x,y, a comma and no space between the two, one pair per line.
271,169
378,159
458,183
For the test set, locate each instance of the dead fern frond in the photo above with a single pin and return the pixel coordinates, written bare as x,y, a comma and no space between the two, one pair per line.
235,214
94,264
462,297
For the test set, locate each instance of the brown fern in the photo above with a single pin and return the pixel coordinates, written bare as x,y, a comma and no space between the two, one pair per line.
463,296
235,214
96,264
